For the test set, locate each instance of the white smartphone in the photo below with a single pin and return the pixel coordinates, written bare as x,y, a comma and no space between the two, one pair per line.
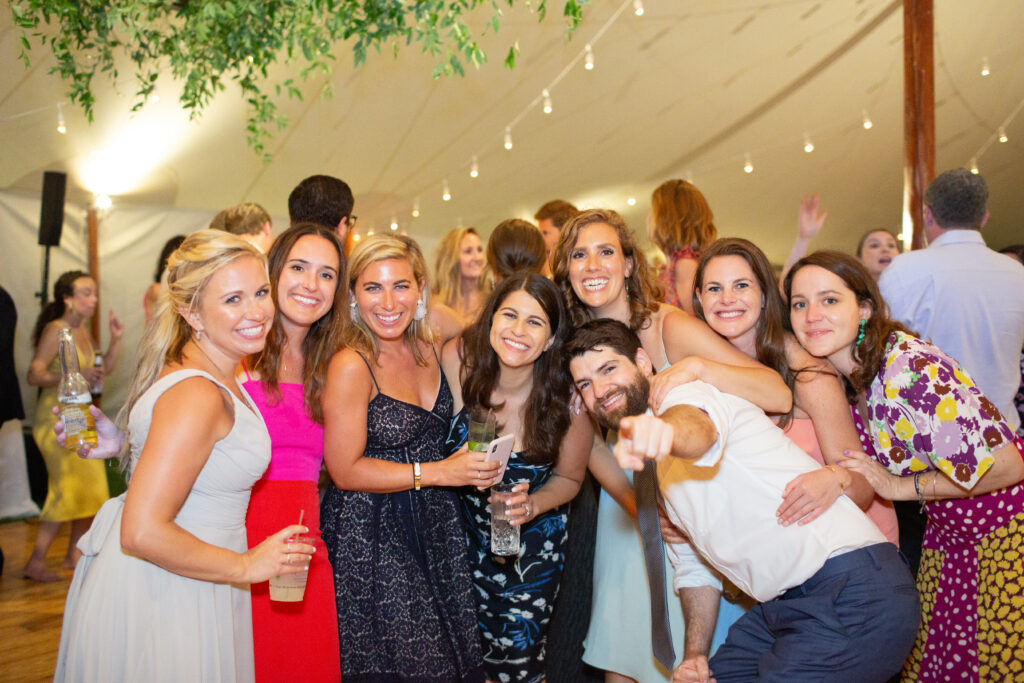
499,450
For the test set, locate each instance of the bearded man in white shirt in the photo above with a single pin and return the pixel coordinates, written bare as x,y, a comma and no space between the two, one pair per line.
837,599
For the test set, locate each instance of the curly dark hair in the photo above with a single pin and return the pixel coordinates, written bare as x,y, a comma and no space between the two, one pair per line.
546,417
870,353
644,292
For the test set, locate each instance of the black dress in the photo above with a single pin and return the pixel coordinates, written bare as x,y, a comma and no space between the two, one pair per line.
401,574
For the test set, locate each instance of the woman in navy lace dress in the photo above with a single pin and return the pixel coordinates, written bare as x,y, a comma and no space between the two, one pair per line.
509,362
391,522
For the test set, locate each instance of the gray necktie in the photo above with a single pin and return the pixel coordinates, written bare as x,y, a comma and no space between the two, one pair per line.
645,484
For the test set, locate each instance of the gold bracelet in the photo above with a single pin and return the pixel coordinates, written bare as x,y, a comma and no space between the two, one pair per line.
417,479
842,486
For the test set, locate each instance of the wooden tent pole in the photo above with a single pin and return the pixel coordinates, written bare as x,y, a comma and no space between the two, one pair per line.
918,115
93,223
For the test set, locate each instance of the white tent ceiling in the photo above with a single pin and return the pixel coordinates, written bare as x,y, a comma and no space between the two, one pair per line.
686,90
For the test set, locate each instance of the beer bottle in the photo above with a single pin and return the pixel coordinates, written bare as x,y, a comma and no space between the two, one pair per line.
73,396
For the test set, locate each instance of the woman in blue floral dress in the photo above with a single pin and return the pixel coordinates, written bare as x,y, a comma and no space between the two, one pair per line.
509,362
938,440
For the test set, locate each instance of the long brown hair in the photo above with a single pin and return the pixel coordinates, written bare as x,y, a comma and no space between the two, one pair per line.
643,293
770,330
681,218
870,353
546,413
324,336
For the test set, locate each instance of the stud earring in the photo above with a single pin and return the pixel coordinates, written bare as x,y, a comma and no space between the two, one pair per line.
421,310
199,335
860,332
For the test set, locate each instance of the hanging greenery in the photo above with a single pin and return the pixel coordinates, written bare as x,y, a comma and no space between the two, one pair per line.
207,43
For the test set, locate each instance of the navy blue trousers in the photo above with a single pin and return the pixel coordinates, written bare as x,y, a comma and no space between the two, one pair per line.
854,620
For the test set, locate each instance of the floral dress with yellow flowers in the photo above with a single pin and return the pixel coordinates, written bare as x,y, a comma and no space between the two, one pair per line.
926,413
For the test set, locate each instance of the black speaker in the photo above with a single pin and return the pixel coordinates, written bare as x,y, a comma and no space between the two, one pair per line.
51,216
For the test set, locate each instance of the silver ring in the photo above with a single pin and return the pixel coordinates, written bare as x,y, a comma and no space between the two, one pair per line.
526,506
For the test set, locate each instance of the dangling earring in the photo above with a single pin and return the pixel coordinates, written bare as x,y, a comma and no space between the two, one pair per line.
354,309
421,310
860,332
627,286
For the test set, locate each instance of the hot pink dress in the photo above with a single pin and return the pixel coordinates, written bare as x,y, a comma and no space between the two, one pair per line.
292,639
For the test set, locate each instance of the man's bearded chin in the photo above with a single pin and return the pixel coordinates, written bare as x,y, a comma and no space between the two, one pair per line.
637,394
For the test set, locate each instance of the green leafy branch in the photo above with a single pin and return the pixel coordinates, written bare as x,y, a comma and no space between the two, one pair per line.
208,43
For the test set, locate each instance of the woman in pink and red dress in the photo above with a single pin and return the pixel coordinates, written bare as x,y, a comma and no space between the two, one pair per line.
938,440
681,225
307,269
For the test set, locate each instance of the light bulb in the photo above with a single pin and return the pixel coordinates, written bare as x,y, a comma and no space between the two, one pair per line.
867,120
1002,134
249,59
508,138
808,145
588,62
394,223
356,237
369,233
103,202
748,166
547,102
631,201
446,194
985,70
61,128
474,169
974,165
416,208
638,7
153,97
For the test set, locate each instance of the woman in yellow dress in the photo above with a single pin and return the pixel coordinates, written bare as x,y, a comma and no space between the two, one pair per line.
76,487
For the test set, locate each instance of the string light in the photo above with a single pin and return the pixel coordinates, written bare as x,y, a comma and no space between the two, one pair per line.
103,202
61,128
416,208
867,120
1002,134
474,169
638,8
547,101
748,166
153,97
985,70
808,145
394,223
369,233
508,137
446,194
974,165
588,62
631,201
356,237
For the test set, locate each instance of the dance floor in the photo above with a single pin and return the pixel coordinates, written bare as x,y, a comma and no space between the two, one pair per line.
30,612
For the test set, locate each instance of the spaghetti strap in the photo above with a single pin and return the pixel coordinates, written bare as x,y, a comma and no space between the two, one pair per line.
371,372
245,369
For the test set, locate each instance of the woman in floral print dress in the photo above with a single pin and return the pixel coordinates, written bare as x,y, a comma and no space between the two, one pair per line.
510,362
936,439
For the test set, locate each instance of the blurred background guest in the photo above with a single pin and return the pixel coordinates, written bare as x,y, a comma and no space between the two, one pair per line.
459,272
76,488
515,245
249,221
550,219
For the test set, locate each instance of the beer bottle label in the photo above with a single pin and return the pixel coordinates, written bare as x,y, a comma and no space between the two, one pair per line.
74,420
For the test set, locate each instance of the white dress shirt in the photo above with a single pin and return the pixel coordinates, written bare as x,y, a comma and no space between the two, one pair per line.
726,500
969,301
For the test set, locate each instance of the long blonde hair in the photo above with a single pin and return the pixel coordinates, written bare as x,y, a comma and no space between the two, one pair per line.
189,268
379,248
447,268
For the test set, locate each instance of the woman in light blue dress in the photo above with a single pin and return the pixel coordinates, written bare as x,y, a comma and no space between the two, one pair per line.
604,275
